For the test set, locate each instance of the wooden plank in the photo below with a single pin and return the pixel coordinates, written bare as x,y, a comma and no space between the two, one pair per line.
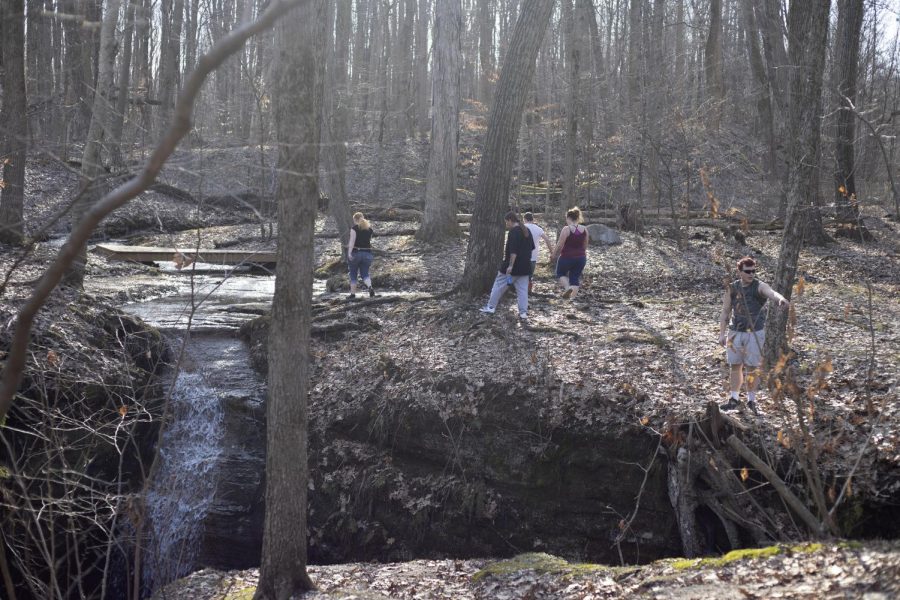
204,255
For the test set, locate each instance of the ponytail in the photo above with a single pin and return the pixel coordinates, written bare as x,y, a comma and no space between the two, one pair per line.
514,218
361,220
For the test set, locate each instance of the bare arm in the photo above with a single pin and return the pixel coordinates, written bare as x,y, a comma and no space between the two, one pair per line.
723,318
351,243
560,242
771,294
547,241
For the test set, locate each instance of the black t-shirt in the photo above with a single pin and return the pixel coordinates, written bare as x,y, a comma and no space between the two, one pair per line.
521,246
363,238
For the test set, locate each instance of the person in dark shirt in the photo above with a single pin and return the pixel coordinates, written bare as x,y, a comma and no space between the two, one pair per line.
516,266
744,304
359,254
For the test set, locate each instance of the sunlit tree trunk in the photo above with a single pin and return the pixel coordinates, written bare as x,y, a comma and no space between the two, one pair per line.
336,122
492,191
439,221
92,169
843,84
715,66
808,31
297,106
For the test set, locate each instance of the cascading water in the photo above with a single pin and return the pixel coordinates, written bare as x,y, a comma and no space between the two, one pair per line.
185,484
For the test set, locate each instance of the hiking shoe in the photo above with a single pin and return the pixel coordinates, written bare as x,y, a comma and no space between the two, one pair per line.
351,297
523,315
732,404
371,292
568,293
488,309
751,404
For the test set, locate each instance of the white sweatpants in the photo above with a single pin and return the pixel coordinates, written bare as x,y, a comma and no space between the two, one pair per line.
520,282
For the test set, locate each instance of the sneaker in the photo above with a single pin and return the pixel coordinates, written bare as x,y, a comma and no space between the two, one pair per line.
351,297
732,404
751,404
371,292
568,293
523,315
488,309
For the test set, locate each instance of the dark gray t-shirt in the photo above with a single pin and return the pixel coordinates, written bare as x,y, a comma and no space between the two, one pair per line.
747,306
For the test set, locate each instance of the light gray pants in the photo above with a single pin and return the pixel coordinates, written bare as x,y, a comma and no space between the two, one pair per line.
520,282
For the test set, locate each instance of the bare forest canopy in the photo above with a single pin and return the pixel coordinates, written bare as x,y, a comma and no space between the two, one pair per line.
677,88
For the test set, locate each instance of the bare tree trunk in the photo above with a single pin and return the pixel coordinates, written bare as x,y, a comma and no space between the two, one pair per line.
762,90
101,116
843,82
297,99
169,61
14,129
422,82
808,31
336,119
492,191
715,64
634,53
573,47
40,82
439,221
122,98
77,92
485,50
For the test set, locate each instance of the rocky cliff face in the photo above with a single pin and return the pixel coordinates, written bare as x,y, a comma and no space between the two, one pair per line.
491,472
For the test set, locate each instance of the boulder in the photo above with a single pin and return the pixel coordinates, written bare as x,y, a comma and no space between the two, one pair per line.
603,235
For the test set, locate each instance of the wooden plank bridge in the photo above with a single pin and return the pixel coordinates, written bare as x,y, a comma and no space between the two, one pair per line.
184,257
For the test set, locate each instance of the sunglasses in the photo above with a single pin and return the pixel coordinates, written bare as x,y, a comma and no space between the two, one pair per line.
748,271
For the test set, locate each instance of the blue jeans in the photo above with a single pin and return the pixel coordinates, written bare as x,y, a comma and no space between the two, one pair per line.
571,268
360,264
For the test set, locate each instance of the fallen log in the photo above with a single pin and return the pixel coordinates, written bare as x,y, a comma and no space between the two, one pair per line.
814,525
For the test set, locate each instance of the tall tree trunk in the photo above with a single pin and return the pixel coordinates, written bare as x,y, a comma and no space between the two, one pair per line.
422,82
14,129
574,47
122,95
439,221
808,36
297,107
715,64
492,191
39,67
843,82
761,90
635,48
101,120
485,49
169,61
336,119
77,88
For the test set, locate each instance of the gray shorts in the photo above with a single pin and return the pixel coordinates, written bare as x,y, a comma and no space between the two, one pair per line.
745,347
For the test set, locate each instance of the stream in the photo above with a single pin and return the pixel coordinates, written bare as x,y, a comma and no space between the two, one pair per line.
208,487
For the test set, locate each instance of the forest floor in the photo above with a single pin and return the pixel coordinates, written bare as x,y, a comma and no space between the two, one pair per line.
636,346
808,571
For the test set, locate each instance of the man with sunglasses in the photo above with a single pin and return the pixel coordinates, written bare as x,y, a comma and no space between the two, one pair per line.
742,330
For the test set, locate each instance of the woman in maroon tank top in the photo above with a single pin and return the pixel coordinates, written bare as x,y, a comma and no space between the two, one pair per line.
571,253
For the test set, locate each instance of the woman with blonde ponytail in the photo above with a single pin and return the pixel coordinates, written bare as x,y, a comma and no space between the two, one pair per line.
571,253
359,254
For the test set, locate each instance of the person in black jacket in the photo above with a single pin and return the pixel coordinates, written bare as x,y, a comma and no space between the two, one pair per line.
516,266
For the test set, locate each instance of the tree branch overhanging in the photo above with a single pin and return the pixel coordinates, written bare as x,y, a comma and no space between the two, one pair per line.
180,126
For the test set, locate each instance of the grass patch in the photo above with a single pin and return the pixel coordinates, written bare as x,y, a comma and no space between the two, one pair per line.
744,554
539,562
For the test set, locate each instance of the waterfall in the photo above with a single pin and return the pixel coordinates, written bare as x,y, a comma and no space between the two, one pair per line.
185,484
